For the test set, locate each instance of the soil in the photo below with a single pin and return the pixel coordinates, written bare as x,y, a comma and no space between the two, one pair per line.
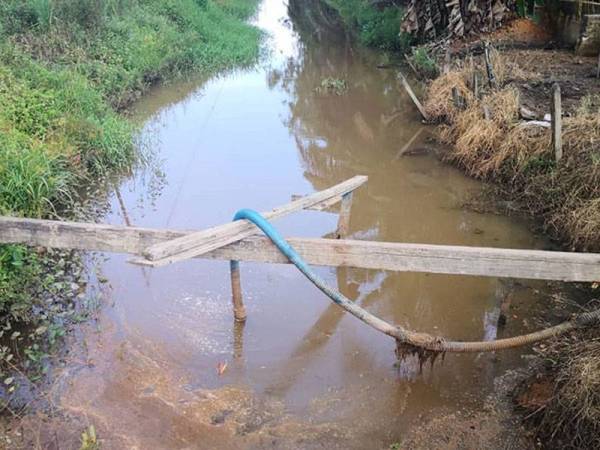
494,427
543,63
576,76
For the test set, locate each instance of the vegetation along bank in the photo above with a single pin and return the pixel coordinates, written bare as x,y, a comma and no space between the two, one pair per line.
67,70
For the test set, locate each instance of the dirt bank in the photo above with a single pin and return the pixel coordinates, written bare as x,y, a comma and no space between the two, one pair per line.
500,135
500,132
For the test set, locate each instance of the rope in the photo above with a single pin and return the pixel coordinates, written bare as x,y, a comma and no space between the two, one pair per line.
409,341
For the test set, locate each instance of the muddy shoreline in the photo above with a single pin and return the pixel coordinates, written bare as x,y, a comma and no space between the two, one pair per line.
542,398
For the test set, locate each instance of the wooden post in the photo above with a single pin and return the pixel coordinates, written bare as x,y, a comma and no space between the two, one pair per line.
487,115
238,339
471,64
344,218
412,95
447,62
476,85
556,122
239,310
598,69
488,65
457,99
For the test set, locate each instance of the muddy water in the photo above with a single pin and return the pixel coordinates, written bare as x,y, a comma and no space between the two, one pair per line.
300,374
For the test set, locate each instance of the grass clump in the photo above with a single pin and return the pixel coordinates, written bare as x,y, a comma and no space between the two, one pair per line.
567,414
424,64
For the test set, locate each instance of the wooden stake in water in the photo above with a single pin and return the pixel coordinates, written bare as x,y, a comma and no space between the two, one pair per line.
344,218
412,96
557,122
239,310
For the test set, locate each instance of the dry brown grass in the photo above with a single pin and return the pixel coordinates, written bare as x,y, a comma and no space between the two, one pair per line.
565,196
570,417
479,142
582,223
439,105
506,70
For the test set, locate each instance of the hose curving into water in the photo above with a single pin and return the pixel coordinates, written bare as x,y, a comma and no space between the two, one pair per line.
408,341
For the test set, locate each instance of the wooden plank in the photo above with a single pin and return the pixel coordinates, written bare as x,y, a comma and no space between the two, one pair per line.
326,205
532,264
412,96
410,142
204,241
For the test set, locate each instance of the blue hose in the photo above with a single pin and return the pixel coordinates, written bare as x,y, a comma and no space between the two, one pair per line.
336,296
407,341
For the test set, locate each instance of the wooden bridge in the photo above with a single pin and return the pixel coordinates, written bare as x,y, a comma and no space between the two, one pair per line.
238,241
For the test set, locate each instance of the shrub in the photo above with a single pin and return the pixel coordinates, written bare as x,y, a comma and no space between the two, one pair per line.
375,27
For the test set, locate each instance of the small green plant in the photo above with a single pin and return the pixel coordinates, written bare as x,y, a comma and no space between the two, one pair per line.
330,85
424,63
89,441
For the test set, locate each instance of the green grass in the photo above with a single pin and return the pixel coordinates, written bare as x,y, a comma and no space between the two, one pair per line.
378,28
67,67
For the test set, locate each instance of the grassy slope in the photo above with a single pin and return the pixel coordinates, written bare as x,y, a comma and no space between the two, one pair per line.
64,72
66,68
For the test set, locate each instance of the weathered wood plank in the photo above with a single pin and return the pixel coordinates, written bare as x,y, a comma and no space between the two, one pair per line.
410,142
532,264
326,205
412,96
210,239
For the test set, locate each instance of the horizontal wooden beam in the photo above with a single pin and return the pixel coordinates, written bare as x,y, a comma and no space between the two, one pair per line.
493,262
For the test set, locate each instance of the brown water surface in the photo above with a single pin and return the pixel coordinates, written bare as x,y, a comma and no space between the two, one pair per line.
300,374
